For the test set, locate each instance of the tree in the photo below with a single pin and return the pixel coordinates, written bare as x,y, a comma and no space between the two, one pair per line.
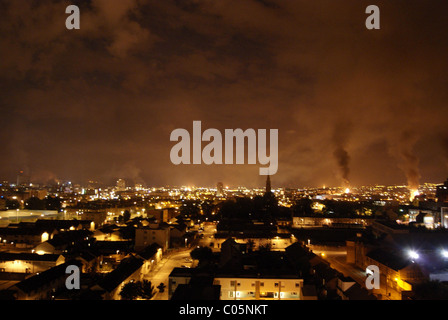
130,291
52,203
134,289
302,207
190,209
126,216
35,203
265,247
203,254
147,290
207,208
161,287
12,204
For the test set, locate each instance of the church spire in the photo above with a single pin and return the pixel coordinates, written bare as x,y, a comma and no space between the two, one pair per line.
268,184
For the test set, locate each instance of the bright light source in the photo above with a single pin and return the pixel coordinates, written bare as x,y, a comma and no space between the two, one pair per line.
445,253
413,255
414,193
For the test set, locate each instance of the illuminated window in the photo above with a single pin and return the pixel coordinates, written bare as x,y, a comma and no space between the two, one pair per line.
44,237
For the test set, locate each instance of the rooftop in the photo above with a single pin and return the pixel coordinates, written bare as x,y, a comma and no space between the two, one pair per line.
44,278
123,271
24,256
389,259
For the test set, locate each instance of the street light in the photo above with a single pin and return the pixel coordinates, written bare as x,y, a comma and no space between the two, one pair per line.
444,253
413,254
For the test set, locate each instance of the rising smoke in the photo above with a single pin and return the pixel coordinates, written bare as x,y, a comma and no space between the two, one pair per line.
341,134
408,162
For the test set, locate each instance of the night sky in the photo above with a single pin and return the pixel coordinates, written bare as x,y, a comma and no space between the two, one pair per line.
99,103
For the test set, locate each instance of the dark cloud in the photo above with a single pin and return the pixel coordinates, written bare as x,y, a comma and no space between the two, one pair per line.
100,103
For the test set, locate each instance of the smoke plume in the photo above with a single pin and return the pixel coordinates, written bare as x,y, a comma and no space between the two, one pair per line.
408,162
341,134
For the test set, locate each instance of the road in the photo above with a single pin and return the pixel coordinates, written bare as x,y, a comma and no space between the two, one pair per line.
207,235
163,269
336,256
177,259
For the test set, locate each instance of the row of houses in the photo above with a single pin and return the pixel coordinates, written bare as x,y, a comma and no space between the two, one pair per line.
51,236
108,257
135,267
30,234
50,283
291,274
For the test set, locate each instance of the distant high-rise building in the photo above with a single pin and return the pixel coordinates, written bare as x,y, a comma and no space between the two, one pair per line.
220,189
121,185
22,179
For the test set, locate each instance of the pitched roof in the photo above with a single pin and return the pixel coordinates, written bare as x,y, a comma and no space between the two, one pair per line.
389,259
125,269
41,226
149,251
60,224
24,256
87,255
356,292
41,279
67,237
110,247
20,231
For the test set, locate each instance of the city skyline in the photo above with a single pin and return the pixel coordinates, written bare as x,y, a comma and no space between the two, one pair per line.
351,105
24,181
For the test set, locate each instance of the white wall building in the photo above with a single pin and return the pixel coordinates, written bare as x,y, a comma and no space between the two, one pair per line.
233,288
154,233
